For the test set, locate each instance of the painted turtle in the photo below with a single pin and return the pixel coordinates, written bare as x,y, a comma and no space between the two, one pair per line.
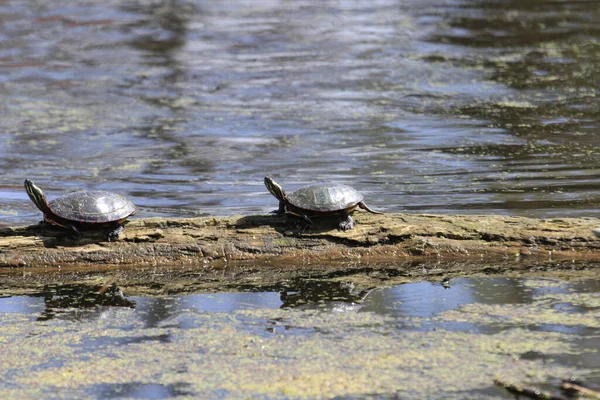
319,199
84,210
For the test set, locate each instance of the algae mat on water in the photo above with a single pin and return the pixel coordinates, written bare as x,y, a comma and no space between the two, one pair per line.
296,353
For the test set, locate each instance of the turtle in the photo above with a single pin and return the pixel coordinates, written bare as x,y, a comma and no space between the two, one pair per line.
319,199
88,209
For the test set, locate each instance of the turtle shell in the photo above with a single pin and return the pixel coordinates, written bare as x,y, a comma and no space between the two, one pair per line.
325,197
93,207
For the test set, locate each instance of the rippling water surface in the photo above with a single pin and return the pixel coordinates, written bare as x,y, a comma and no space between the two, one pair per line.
426,106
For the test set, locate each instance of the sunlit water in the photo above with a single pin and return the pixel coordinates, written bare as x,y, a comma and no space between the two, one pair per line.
416,307
425,106
423,300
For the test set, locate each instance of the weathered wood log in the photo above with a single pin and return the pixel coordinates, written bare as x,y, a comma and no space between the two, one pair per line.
580,390
264,239
530,392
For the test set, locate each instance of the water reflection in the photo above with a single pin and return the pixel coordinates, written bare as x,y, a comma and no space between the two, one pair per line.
78,302
139,390
415,301
547,124
324,295
422,300
429,106
491,311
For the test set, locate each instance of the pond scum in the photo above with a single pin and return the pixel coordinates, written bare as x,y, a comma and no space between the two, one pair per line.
301,353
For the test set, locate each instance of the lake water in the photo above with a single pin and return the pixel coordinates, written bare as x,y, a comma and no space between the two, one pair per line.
425,106
417,340
437,106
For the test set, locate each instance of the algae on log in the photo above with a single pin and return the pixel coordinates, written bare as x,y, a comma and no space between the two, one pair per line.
265,239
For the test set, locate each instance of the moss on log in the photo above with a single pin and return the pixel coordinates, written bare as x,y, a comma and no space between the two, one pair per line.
267,239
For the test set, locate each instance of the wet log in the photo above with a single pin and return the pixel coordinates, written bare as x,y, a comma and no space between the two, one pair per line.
575,389
263,239
530,392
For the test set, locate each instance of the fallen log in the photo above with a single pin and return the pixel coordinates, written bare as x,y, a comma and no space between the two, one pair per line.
268,239
530,392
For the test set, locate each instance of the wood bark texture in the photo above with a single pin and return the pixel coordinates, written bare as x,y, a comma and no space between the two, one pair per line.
264,239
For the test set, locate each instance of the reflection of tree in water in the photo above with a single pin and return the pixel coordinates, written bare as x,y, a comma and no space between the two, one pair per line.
546,54
159,34
78,302
545,47
325,295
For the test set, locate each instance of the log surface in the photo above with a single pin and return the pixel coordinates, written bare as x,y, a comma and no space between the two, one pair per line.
264,239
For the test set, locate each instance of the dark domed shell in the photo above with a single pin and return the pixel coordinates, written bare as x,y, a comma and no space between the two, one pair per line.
92,207
325,197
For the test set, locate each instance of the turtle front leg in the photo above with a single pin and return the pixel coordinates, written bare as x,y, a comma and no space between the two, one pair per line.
42,225
280,210
347,222
113,235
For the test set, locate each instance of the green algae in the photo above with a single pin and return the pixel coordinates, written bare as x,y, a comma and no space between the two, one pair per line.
542,310
279,353
589,300
302,352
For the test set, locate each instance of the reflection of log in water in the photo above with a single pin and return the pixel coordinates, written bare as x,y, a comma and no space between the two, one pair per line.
322,294
77,296
277,240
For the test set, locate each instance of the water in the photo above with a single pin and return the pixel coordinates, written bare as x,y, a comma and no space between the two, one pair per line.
221,345
426,106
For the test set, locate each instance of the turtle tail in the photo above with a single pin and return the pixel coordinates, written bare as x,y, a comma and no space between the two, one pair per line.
366,208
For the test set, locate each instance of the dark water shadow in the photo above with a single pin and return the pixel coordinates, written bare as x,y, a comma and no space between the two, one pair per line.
53,236
139,390
66,299
309,294
50,236
291,225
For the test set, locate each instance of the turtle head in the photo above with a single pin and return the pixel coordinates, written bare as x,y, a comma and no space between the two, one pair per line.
275,189
37,196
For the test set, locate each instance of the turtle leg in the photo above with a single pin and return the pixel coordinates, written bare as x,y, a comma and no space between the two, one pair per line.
306,219
366,208
347,222
75,232
113,235
308,222
42,225
280,210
